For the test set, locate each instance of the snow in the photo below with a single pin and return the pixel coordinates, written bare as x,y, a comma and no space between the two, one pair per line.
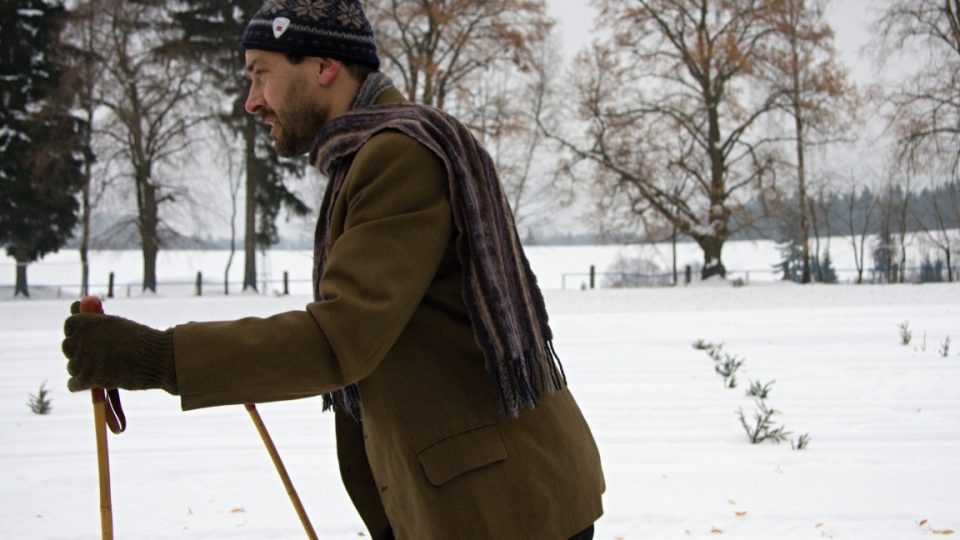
884,419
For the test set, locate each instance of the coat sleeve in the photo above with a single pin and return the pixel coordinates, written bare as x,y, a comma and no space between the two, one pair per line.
396,229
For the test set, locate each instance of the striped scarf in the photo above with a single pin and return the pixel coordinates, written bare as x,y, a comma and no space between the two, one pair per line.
500,292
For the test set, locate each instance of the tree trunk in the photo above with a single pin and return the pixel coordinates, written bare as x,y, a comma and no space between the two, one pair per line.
712,263
85,230
816,240
673,245
149,240
21,285
250,228
949,265
801,171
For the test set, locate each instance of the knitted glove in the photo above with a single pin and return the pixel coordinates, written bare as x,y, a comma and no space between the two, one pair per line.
112,352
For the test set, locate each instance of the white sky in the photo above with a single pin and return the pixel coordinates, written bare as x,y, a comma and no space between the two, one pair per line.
850,20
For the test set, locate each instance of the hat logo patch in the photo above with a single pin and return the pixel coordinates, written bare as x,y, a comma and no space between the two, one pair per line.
280,25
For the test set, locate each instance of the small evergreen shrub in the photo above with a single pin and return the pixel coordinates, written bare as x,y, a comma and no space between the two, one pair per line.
763,428
40,403
727,368
906,335
802,442
702,345
759,390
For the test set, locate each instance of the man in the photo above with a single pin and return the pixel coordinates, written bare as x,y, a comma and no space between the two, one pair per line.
428,336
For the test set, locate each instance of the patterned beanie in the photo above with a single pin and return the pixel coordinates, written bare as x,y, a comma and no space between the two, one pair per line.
327,28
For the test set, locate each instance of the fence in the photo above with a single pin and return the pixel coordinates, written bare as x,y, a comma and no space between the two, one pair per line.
199,286
183,287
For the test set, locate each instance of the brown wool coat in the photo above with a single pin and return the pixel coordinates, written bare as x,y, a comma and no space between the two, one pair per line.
433,459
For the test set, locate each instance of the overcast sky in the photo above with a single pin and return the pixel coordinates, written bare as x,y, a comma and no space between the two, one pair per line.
850,20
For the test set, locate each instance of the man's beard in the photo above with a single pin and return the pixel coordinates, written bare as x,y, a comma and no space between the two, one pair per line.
297,123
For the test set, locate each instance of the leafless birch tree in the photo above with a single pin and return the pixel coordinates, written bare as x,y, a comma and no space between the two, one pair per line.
802,69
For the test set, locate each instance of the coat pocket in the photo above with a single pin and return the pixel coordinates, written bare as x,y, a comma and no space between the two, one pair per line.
448,458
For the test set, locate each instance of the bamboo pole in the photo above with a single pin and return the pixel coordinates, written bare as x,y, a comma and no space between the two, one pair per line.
92,304
281,470
103,462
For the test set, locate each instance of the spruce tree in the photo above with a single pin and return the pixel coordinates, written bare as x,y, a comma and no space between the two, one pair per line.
40,152
212,30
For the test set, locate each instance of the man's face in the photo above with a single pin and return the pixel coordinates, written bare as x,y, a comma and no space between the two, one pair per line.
282,95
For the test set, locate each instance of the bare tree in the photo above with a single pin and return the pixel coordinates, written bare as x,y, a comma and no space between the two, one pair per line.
667,101
148,91
488,62
433,49
946,217
802,69
860,208
926,106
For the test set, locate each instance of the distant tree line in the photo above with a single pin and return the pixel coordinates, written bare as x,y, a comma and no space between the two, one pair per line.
684,120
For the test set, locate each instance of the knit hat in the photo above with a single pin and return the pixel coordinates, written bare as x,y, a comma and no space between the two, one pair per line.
327,28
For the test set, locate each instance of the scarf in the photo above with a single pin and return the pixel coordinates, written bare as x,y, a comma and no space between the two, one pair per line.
504,303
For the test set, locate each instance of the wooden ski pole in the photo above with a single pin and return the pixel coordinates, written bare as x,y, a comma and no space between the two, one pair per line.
91,304
284,477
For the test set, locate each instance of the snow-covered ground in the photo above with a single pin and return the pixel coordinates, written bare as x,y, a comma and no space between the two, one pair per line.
884,421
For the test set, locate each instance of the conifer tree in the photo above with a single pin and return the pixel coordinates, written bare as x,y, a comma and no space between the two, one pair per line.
40,156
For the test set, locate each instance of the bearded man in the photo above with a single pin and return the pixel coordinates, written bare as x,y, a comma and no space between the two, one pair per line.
427,335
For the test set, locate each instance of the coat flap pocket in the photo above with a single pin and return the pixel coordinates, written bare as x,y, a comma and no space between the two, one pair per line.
448,458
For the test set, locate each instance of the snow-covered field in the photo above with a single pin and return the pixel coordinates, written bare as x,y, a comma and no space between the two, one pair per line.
884,461
557,267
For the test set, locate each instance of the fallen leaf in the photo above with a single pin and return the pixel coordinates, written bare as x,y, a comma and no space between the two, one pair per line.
819,525
238,510
945,532
732,502
716,531
741,514
922,522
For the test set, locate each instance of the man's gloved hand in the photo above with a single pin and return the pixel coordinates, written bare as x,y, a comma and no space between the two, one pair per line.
112,352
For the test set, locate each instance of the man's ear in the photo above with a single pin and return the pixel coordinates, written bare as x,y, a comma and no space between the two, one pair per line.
327,70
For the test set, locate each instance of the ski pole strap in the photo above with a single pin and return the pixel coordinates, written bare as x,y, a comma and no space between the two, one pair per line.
116,420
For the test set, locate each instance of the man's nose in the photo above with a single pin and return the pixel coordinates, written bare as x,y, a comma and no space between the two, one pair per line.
255,100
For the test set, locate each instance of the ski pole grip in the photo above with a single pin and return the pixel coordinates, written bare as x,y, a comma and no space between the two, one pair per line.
91,304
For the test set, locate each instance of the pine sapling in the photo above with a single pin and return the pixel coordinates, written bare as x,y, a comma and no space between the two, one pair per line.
703,345
945,347
763,427
906,335
758,390
714,351
728,369
40,403
802,442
